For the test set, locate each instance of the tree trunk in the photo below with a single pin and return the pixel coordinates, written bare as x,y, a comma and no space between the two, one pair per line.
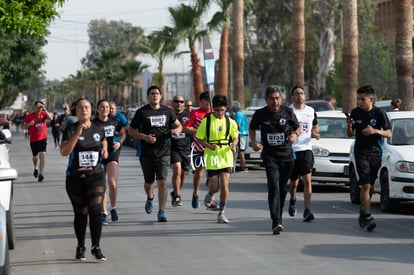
298,34
197,75
238,52
350,54
404,53
223,62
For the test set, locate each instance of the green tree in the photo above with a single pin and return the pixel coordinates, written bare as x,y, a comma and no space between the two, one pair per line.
131,70
28,17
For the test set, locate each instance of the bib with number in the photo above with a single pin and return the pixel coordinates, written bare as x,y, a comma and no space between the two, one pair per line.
275,139
88,158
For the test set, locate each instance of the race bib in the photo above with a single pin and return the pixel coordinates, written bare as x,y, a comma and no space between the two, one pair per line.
276,139
88,159
158,121
109,131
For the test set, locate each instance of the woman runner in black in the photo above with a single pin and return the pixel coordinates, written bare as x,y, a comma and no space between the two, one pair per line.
85,144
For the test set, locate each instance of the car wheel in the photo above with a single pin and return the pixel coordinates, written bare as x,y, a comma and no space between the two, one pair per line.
354,188
387,204
11,237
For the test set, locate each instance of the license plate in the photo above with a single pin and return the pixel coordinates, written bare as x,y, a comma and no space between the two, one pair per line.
254,155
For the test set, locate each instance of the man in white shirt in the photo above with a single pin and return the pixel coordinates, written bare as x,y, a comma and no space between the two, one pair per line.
304,159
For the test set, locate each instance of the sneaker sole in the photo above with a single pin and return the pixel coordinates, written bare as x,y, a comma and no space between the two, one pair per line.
371,226
278,229
309,218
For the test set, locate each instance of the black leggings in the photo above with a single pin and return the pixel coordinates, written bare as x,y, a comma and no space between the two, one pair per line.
86,195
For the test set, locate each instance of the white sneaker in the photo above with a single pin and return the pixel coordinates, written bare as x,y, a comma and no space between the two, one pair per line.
221,218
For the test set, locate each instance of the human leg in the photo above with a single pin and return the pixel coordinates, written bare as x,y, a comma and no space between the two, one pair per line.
273,196
176,182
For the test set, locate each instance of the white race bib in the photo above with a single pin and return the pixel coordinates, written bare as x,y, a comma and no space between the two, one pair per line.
275,139
88,158
158,121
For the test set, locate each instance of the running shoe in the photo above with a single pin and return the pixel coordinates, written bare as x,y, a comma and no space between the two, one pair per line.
221,218
277,229
361,218
194,202
178,201
114,215
40,178
96,251
35,173
173,198
214,206
292,207
148,206
308,215
208,199
370,223
161,216
80,253
104,219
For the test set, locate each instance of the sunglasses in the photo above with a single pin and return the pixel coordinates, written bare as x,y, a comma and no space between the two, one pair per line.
188,105
179,101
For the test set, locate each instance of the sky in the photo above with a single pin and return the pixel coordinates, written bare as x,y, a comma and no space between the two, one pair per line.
68,39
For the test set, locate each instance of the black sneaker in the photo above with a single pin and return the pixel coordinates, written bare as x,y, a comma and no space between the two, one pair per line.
307,215
35,173
277,229
80,253
96,251
370,223
114,215
361,218
292,208
40,178
104,219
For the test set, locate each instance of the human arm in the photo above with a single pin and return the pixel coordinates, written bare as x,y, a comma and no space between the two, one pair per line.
178,128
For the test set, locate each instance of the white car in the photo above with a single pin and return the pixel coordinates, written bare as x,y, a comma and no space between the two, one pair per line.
7,175
331,151
395,181
251,156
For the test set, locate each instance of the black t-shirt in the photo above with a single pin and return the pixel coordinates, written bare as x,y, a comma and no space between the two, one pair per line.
158,122
181,142
275,127
111,128
378,119
87,152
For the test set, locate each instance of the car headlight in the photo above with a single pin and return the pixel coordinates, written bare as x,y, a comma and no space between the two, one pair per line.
320,151
405,166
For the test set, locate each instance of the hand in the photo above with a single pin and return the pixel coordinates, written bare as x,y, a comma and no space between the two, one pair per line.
368,131
175,132
316,135
257,146
234,148
151,139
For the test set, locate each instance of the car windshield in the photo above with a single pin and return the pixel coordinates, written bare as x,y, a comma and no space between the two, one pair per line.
402,132
331,127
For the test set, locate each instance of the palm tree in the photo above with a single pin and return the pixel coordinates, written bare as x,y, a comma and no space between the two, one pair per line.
109,58
162,44
222,18
350,55
131,69
238,52
404,52
298,34
187,25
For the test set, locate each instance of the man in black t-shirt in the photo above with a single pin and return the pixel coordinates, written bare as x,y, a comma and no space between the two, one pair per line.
154,124
180,152
370,124
279,129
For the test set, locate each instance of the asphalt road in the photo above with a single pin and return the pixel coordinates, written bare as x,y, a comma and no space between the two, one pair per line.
191,242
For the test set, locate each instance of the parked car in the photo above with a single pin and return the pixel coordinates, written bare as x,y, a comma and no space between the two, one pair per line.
251,156
395,181
331,151
320,105
7,175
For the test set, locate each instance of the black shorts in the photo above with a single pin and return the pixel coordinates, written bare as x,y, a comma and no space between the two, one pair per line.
79,186
212,173
304,162
367,166
112,156
155,168
181,156
38,146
